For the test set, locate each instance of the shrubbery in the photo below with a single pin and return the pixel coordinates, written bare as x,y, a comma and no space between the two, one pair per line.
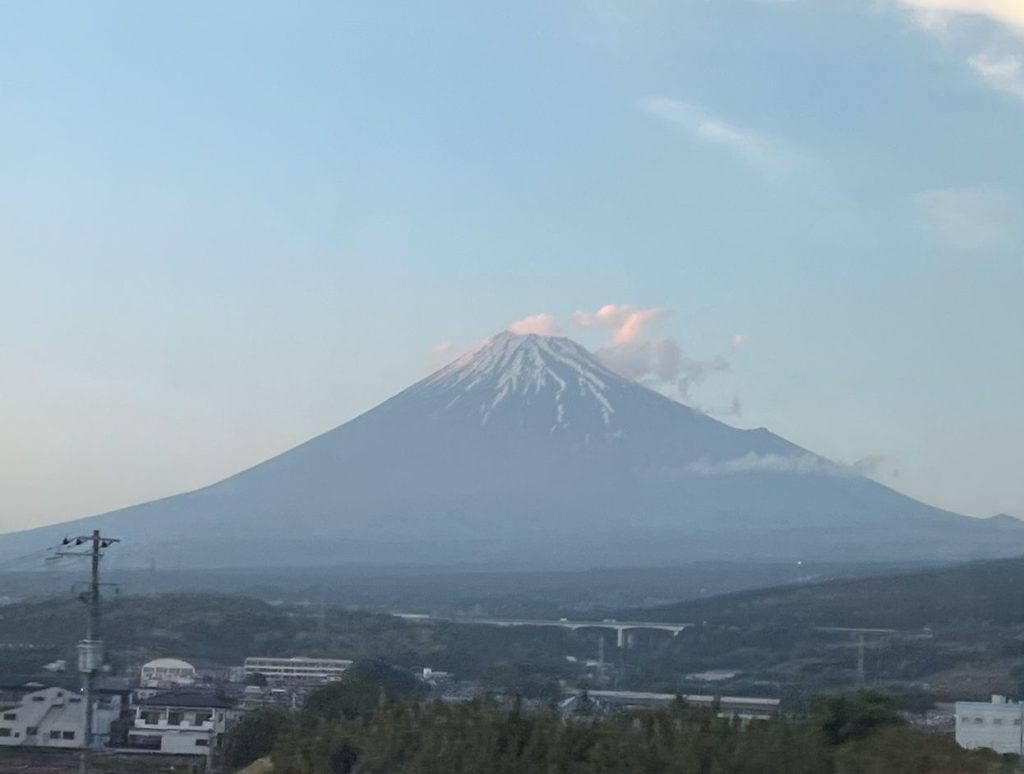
371,723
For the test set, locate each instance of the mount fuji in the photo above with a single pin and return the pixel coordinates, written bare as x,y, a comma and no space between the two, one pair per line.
528,452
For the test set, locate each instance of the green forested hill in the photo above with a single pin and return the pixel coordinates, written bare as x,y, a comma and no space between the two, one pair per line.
215,627
977,593
226,629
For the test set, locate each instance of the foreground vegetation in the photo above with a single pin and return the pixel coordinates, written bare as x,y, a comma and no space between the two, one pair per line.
374,723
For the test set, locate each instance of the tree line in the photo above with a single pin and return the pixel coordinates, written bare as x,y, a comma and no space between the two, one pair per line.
377,721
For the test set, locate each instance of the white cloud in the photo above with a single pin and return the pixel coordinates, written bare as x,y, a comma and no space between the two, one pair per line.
626,322
438,354
542,323
763,463
971,219
1005,73
1000,71
758,150
660,363
1006,12
803,464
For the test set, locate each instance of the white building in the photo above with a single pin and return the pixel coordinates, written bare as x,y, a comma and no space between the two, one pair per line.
298,670
181,723
998,725
742,707
55,717
288,696
167,672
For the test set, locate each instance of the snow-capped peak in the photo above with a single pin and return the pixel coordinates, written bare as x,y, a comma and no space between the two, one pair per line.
555,375
525,362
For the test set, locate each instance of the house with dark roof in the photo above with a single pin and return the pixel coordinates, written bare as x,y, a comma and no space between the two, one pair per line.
181,722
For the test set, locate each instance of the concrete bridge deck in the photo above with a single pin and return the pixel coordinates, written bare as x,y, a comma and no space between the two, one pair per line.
621,628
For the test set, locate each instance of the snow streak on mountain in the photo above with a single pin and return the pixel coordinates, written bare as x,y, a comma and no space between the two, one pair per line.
546,371
527,451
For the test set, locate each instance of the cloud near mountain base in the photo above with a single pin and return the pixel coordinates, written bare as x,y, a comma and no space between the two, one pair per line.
801,464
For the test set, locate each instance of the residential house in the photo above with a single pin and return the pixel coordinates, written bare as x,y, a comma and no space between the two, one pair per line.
181,722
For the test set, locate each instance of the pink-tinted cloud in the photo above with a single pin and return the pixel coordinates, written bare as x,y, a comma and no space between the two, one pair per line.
738,340
1007,12
627,322
542,323
438,354
660,362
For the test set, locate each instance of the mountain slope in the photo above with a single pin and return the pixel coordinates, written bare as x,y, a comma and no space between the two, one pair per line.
976,594
529,452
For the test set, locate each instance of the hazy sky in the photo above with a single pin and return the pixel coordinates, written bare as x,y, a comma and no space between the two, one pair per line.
227,227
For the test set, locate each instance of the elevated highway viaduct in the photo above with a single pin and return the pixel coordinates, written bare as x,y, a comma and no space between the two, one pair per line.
621,628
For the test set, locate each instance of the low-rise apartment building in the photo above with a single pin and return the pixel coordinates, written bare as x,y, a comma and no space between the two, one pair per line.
181,722
296,670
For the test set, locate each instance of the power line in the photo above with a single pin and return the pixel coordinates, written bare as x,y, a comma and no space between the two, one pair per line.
40,554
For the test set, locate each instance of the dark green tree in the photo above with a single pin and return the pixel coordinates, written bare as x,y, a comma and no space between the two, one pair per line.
846,716
365,687
254,736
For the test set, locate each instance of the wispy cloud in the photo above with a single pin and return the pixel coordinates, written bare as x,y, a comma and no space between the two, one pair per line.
764,463
758,150
542,323
800,464
999,65
1007,12
658,362
1003,73
626,322
971,219
438,354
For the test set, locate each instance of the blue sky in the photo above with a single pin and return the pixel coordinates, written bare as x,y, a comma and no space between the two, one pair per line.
226,227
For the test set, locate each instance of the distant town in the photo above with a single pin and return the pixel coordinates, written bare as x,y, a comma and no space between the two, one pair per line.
105,710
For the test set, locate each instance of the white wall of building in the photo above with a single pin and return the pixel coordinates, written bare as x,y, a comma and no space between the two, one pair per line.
298,669
167,672
55,717
997,725
179,730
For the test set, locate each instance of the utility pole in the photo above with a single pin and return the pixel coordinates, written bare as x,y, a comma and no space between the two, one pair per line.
90,650
860,659
321,623
1020,723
